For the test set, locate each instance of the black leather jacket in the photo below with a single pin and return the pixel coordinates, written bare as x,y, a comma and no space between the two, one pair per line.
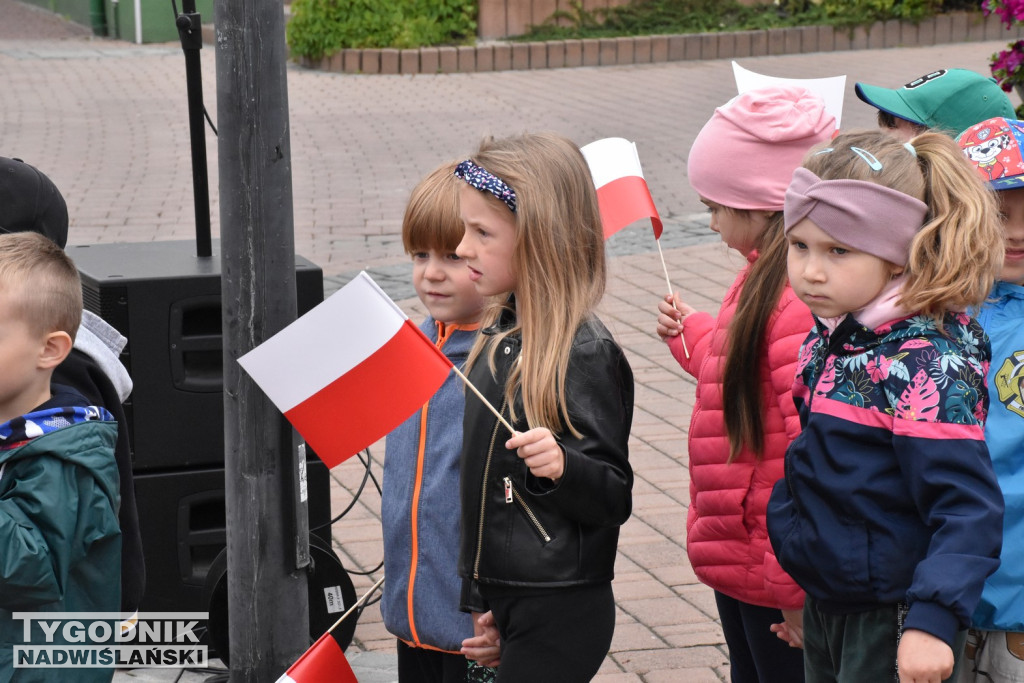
520,531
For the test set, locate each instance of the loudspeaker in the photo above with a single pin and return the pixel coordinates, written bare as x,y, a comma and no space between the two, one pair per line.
167,302
182,519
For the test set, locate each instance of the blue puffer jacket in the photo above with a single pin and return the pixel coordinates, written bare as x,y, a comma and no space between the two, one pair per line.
889,493
420,511
1002,601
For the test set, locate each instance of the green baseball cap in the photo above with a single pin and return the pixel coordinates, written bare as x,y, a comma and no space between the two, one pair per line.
951,100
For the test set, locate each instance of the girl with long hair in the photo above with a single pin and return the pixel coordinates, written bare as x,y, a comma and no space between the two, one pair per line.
541,506
743,360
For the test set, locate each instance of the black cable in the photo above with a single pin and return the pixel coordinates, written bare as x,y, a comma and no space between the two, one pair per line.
368,572
210,121
366,475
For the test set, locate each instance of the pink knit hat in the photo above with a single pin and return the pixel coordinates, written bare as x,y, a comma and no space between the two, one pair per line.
744,157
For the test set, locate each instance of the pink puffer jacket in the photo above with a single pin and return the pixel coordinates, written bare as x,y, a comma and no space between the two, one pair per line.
726,537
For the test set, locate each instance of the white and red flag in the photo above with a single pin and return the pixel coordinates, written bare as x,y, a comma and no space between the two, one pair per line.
349,371
622,192
323,661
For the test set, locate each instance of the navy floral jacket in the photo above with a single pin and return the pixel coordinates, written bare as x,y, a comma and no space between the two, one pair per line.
889,494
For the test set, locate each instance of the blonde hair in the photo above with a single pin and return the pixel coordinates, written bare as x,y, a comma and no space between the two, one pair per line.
431,220
955,256
558,261
41,283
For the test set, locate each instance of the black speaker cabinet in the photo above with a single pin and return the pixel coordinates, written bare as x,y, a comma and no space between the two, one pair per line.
167,302
182,518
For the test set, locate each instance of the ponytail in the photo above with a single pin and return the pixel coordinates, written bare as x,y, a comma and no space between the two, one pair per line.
954,258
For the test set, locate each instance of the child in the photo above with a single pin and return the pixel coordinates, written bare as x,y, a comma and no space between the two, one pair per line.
889,514
541,508
736,455
948,100
995,650
58,478
30,202
420,508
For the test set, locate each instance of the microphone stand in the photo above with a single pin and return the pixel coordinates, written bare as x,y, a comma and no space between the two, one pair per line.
190,31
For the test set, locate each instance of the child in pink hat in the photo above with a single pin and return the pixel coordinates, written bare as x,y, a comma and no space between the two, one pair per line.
745,358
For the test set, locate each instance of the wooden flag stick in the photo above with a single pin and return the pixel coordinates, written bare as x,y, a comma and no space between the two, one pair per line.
359,602
682,337
486,402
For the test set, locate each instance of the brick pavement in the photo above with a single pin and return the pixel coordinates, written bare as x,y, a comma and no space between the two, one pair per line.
107,121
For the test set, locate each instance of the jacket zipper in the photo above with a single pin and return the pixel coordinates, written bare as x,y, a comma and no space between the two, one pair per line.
443,333
483,494
510,495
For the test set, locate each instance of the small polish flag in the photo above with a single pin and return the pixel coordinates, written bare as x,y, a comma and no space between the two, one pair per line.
349,371
323,661
622,192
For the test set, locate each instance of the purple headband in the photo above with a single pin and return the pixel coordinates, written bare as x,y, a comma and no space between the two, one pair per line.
485,181
867,216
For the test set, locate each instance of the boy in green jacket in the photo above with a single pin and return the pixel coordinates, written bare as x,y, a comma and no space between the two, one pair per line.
60,544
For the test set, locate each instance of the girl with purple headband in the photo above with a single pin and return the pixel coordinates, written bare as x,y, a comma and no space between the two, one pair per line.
889,513
541,507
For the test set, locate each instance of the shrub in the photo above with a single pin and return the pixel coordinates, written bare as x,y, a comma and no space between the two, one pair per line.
322,27
693,16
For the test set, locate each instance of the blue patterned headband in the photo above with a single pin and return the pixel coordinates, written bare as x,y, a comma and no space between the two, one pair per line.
485,181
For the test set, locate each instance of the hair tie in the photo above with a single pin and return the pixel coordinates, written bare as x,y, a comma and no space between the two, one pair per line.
910,148
485,181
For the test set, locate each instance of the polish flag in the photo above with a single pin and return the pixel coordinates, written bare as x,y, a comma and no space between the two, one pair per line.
349,371
622,192
324,661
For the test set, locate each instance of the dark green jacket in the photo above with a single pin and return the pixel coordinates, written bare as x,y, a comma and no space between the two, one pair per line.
60,543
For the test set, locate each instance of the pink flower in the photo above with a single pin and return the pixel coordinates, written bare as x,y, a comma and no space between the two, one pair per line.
878,368
1008,65
1009,11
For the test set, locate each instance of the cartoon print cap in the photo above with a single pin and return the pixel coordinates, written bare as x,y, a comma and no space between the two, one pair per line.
949,100
994,149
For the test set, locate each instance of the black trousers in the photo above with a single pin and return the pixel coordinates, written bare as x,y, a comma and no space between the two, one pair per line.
756,655
559,636
418,665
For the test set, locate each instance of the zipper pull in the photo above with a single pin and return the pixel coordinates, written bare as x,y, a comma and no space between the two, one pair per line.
508,490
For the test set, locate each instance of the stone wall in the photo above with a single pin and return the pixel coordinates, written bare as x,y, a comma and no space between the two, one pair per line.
954,27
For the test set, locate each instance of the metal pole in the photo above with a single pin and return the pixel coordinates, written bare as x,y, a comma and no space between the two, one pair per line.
190,32
267,529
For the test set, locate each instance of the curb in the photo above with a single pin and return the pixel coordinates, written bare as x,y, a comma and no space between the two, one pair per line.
954,27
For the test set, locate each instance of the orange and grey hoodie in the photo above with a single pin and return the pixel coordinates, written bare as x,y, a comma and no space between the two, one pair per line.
420,511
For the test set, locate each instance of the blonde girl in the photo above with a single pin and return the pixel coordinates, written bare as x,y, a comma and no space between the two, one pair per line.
541,507
889,516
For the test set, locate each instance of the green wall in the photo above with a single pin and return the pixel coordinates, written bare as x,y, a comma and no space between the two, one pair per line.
117,20
157,19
